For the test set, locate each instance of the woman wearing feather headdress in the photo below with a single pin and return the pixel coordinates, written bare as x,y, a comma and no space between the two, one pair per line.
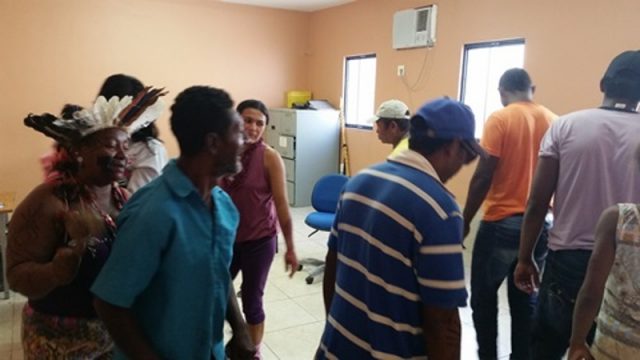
147,154
61,234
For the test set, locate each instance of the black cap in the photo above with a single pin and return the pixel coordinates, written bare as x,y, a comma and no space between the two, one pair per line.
623,65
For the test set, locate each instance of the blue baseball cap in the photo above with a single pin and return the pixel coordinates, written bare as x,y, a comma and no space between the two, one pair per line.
446,119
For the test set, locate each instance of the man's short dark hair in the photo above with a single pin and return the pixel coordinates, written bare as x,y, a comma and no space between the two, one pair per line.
403,124
426,145
198,111
515,79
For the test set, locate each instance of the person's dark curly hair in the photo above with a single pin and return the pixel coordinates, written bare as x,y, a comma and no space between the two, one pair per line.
515,79
198,111
120,85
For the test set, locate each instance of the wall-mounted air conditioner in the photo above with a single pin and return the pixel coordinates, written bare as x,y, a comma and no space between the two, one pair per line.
415,27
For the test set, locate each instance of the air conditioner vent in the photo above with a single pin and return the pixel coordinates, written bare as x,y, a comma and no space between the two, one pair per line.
415,27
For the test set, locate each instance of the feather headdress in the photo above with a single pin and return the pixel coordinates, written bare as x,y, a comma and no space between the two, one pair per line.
128,113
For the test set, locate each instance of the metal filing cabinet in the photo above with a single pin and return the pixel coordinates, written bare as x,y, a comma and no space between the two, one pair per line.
309,143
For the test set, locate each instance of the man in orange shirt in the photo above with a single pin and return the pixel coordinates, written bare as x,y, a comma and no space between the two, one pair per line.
511,137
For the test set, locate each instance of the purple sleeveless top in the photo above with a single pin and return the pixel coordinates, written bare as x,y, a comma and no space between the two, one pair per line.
251,193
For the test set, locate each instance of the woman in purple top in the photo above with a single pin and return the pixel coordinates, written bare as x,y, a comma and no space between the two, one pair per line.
259,193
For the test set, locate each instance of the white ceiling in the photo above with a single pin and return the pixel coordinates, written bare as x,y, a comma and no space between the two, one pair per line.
299,5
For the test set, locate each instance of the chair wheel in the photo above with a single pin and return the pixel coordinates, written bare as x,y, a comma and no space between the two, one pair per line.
300,267
309,280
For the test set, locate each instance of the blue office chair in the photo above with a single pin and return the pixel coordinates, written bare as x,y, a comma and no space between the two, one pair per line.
324,199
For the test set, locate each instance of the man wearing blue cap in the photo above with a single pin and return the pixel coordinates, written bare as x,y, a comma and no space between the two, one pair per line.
394,276
586,162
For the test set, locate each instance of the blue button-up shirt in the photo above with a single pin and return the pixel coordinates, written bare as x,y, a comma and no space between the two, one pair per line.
169,265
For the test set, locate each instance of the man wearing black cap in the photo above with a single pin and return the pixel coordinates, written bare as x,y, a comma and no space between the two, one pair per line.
394,277
586,163
502,180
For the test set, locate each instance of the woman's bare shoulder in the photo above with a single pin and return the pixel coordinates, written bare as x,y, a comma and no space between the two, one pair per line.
271,155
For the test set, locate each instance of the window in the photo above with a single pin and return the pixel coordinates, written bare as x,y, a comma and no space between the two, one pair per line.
359,90
482,66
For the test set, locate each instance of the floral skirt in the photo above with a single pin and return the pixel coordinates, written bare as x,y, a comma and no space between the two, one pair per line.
61,337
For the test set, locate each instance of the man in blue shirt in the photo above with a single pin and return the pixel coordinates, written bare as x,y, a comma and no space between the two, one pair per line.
165,289
394,277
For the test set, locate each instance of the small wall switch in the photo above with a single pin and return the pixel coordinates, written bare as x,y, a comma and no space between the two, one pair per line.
400,70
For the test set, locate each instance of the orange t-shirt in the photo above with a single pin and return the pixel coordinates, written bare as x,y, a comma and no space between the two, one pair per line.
513,135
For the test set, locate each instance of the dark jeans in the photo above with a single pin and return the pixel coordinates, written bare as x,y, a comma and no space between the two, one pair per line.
495,255
563,276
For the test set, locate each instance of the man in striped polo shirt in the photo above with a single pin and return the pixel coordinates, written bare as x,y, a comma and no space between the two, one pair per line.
394,276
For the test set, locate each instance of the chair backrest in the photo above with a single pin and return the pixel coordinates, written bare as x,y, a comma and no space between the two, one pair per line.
326,192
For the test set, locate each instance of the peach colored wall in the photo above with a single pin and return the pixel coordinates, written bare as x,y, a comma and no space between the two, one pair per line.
56,52
568,46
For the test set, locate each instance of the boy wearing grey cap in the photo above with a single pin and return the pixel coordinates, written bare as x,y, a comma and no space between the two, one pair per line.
392,124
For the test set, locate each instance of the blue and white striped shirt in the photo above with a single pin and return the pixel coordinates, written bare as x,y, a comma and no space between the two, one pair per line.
398,235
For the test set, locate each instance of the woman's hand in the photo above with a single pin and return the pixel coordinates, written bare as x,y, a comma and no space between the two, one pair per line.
67,260
79,226
290,262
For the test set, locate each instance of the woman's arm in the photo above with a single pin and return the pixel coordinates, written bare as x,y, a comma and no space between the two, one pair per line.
591,292
37,260
277,180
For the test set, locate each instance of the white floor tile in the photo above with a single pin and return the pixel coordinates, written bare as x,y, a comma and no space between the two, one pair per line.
285,314
296,343
272,293
267,353
313,304
296,286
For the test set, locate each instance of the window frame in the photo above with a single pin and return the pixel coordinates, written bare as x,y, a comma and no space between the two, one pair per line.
481,45
345,85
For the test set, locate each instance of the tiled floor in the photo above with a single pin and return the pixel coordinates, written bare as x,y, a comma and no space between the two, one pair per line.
295,313
10,319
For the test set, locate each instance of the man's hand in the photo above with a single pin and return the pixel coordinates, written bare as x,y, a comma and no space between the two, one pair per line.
466,229
579,352
527,276
240,347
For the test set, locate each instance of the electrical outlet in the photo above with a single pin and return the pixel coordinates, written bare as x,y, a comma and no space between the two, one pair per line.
400,70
